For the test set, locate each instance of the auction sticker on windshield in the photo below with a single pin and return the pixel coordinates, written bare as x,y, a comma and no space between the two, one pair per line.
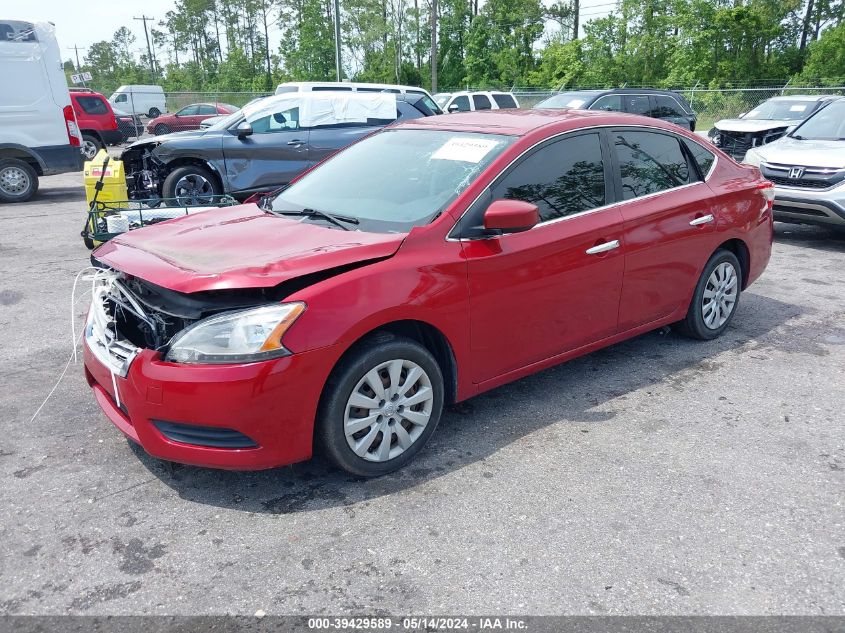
467,150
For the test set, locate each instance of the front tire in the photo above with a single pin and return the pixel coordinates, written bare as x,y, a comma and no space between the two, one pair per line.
716,297
380,406
191,185
18,180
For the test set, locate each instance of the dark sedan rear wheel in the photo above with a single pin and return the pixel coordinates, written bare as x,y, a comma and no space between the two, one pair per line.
380,406
191,185
716,297
161,128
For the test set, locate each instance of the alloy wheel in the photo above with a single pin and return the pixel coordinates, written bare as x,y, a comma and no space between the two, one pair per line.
193,189
88,149
388,410
720,294
13,180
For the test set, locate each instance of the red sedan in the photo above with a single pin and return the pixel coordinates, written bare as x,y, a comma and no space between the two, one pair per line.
421,266
188,118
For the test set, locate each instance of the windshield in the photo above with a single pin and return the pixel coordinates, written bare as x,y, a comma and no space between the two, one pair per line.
396,179
781,109
828,124
565,100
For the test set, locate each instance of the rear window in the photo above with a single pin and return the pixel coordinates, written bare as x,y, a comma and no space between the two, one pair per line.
665,106
92,105
504,101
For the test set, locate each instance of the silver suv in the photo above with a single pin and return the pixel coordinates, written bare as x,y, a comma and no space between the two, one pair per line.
807,167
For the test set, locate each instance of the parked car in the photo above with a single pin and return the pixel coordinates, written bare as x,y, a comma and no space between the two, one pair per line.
657,104
766,123
356,86
477,100
807,167
140,99
130,125
429,262
188,118
260,147
96,121
39,135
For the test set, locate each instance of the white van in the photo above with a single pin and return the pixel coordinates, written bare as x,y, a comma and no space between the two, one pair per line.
355,86
139,99
39,135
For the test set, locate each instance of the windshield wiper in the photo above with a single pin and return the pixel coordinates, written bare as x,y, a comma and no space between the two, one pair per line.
337,220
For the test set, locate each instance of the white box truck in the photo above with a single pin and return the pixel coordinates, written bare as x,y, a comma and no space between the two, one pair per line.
138,99
39,135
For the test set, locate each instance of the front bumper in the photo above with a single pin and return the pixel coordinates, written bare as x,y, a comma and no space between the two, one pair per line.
806,206
273,403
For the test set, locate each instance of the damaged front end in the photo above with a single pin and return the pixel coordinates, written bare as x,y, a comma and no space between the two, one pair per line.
736,140
129,314
145,173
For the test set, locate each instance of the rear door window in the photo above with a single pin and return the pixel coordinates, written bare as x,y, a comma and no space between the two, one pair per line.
207,110
649,162
637,104
504,101
481,102
92,105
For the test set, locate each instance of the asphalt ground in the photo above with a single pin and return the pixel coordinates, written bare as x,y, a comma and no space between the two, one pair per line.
659,476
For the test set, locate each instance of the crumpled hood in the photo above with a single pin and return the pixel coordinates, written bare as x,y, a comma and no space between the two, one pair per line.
238,247
810,153
753,125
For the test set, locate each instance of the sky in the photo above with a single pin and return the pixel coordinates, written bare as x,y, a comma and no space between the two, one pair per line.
83,23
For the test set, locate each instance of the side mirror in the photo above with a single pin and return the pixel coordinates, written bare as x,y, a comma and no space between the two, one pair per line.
244,129
453,108
511,216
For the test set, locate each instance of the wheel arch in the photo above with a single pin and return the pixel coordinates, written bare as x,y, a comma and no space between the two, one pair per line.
94,133
427,335
739,248
19,152
189,161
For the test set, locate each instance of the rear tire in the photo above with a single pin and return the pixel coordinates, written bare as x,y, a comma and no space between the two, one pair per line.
18,180
90,146
380,406
153,113
716,298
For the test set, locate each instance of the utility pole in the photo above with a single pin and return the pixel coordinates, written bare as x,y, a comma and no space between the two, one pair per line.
576,9
433,46
337,40
145,19
75,49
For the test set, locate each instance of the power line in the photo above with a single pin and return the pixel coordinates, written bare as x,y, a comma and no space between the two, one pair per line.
151,57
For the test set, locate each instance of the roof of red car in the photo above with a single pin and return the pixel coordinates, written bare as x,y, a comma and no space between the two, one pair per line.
522,122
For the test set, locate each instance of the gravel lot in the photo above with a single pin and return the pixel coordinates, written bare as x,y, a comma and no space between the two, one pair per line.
660,476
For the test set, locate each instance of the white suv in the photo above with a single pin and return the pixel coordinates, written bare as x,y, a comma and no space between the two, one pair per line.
478,100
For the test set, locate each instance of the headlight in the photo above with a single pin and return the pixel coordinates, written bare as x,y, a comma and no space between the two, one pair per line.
241,336
752,157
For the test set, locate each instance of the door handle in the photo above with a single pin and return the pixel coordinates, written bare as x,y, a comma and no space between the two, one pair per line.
296,143
704,219
603,248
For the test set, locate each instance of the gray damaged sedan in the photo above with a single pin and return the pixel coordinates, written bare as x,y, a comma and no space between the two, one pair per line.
807,167
261,147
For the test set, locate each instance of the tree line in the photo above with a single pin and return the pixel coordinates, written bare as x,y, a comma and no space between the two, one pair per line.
251,45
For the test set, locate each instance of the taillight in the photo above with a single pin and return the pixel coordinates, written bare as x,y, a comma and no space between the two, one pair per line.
768,190
73,134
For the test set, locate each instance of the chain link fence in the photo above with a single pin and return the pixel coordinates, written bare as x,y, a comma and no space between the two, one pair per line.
710,104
